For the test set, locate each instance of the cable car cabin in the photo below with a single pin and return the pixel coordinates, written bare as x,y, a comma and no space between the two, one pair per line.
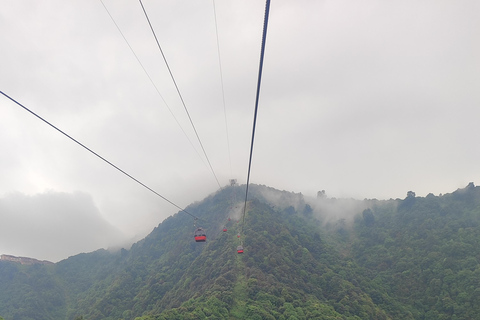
238,235
239,249
200,235
224,229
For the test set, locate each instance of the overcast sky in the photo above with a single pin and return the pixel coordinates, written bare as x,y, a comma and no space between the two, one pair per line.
364,99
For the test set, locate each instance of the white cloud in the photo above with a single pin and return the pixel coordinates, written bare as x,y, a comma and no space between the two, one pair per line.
366,99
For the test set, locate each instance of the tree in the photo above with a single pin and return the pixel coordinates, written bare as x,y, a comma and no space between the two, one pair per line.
368,217
408,202
308,211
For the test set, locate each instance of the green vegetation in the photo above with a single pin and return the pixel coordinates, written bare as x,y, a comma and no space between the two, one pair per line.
425,254
415,258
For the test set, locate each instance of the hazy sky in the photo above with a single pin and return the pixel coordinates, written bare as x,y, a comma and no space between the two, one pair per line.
364,99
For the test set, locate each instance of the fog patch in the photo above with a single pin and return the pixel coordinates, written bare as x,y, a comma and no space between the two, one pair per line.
53,225
332,212
236,211
280,200
337,213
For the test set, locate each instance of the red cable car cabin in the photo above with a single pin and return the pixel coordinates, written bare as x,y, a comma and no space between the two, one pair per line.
200,235
240,249
224,229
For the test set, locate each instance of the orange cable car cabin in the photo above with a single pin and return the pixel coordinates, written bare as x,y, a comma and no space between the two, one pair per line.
200,235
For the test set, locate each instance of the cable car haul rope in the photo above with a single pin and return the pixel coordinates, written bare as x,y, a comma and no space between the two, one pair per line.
97,155
199,233
260,69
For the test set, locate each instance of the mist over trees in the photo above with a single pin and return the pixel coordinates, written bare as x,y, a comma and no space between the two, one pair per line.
322,258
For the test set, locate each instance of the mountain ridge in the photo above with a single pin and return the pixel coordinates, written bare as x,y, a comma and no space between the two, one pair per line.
299,263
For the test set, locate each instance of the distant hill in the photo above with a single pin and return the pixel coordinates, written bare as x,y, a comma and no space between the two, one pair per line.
323,258
23,260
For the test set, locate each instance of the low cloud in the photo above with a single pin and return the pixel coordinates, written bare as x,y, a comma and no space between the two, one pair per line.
332,210
53,226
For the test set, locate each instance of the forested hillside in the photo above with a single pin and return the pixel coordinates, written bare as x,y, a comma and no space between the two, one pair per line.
322,258
424,252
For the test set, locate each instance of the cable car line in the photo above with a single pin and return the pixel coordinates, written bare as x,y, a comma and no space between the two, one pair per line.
223,91
151,81
178,91
99,156
260,69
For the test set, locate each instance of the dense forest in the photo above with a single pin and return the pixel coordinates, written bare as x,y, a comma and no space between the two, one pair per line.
322,258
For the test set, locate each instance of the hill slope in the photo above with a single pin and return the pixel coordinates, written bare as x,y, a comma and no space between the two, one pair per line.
425,252
415,258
